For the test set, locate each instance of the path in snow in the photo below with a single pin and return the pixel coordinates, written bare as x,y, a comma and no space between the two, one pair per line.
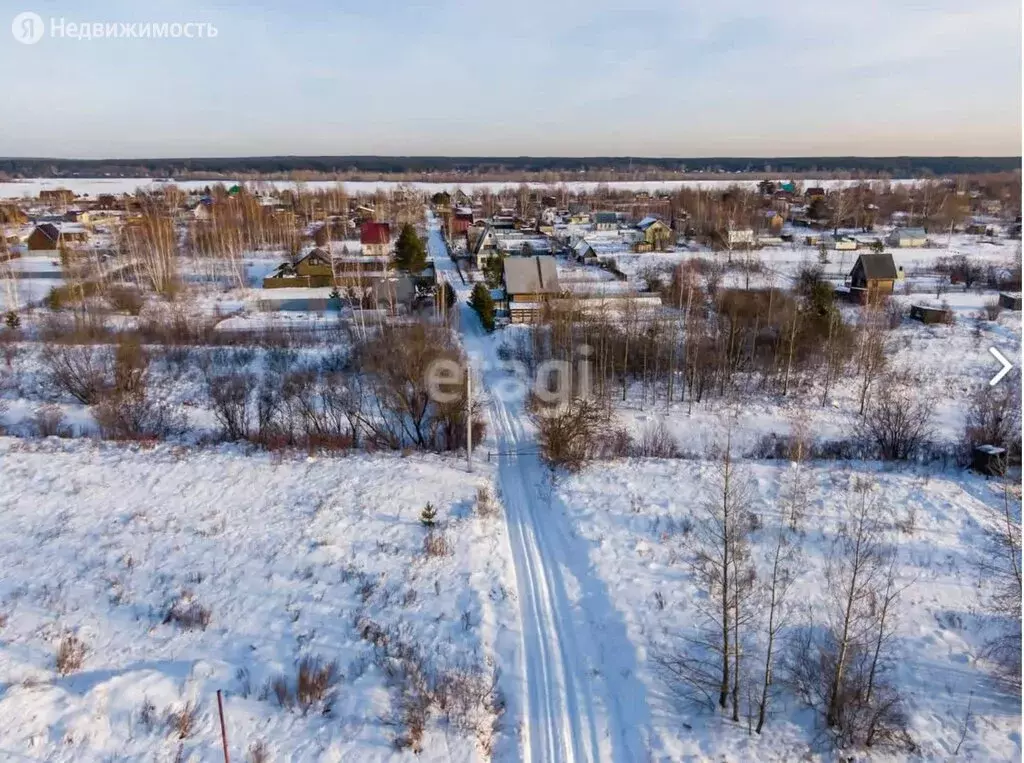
583,701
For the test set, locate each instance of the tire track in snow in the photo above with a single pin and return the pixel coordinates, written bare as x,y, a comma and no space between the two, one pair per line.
576,709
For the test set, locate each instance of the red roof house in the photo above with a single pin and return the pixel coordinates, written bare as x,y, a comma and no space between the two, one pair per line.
375,233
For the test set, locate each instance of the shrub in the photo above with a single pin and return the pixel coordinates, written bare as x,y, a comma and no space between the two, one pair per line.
657,442
48,421
570,435
182,721
993,418
125,299
436,544
258,752
187,613
131,367
395,400
897,420
147,714
130,411
467,696
74,328
70,655
82,371
315,683
314,686
12,320
875,719
230,397
137,417
992,309
486,507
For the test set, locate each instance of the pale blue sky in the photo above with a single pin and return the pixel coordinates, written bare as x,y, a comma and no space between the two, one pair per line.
539,77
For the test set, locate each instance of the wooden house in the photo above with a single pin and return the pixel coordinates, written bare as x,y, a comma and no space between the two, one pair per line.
314,269
375,238
656,235
873,276
461,221
44,237
77,216
529,282
903,238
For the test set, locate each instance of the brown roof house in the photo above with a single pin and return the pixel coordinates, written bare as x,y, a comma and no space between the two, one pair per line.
529,282
45,237
873,276
311,270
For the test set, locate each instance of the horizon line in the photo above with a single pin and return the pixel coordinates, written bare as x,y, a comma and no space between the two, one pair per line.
634,157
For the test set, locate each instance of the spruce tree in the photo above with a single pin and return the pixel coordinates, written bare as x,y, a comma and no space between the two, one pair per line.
410,254
483,303
429,515
493,270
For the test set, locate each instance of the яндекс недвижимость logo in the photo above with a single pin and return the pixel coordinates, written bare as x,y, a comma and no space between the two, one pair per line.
28,27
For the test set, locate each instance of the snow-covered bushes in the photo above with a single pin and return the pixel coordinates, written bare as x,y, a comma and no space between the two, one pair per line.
896,420
80,370
656,441
187,613
485,507
435,543
467,696
70,655
571,434
313,687
48,421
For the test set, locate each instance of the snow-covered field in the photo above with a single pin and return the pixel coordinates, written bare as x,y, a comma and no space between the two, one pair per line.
286,554
95,186
633,516
566,595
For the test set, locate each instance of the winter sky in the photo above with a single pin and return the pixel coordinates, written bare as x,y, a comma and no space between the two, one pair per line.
539,77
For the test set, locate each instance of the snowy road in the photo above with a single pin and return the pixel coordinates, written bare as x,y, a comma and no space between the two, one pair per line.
582,700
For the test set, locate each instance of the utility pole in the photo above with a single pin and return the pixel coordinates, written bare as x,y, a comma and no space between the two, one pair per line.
469,417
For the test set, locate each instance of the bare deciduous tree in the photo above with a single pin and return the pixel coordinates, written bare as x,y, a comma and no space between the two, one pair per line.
851,574
993,417
897,420
783,560
1002,565
710,668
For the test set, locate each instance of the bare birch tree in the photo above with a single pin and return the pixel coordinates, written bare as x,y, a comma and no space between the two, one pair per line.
783,559
711,667
851,575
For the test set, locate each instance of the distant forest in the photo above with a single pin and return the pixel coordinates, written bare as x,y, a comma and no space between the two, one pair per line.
500,168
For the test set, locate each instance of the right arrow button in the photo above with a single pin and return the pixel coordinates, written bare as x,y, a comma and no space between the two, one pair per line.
1007,366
